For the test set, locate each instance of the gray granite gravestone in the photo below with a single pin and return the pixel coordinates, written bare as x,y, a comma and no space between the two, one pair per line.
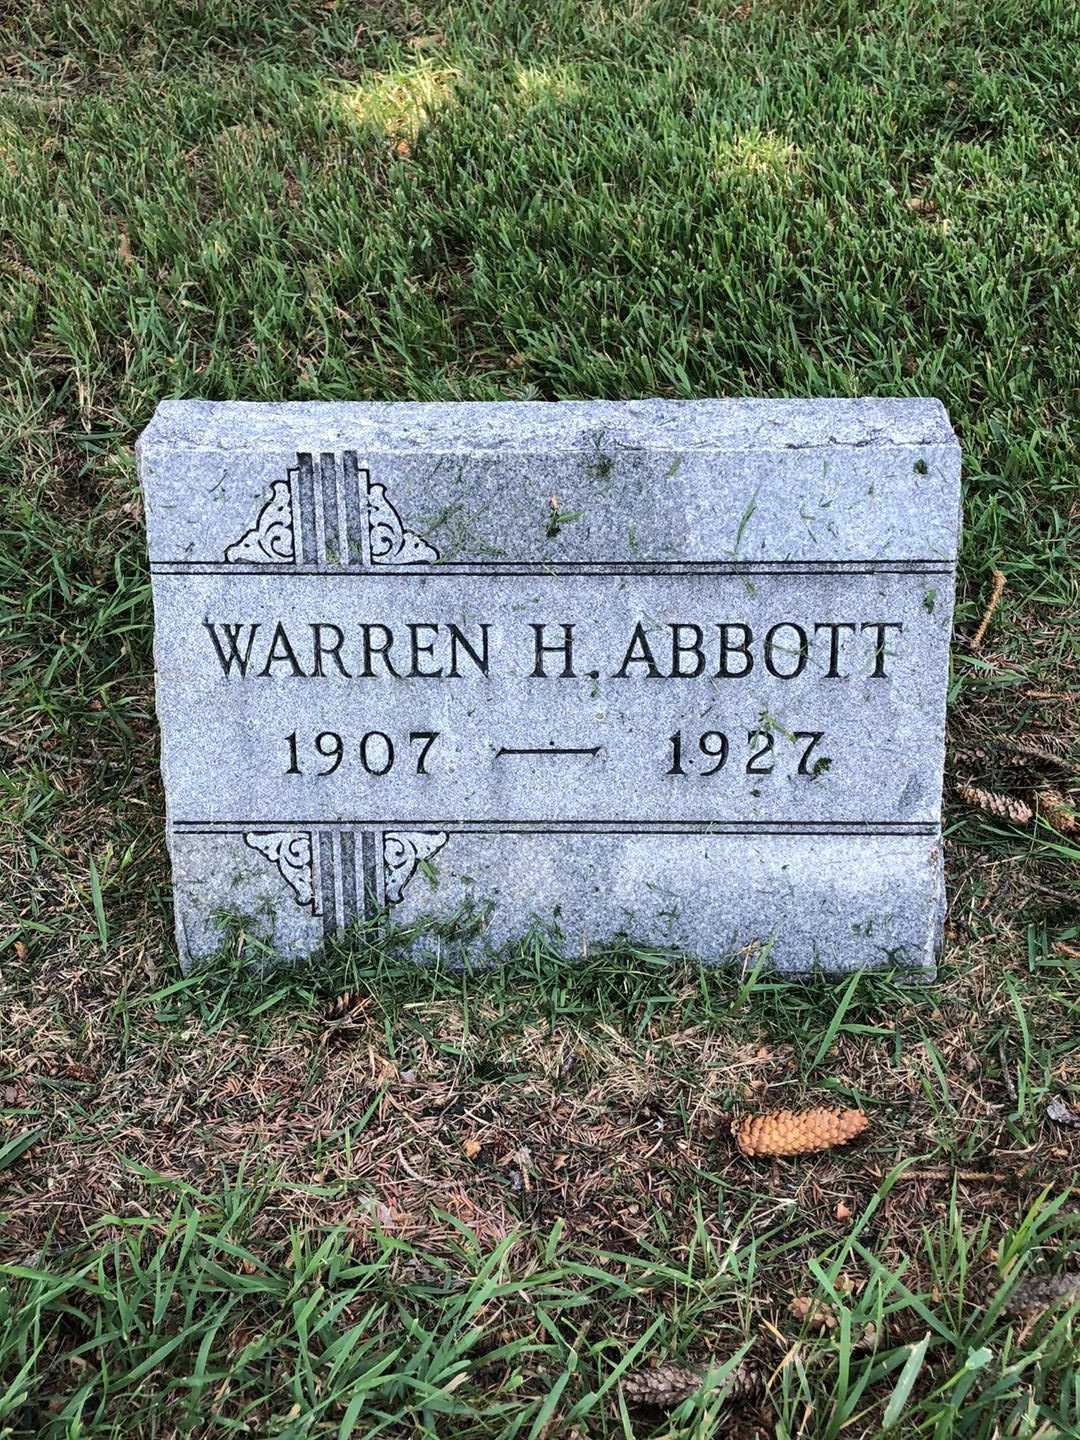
669,669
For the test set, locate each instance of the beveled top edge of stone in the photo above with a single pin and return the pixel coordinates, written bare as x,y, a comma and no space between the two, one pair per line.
552,425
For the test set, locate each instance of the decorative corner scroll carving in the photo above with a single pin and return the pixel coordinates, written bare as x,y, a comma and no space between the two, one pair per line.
391,543
403,851
270,540
273,539
290,852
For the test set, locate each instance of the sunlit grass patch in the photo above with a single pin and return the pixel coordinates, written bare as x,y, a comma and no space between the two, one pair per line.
399,105
756,152
554,84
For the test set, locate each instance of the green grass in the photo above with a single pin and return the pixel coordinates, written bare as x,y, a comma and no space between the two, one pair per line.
473,1211
494,1196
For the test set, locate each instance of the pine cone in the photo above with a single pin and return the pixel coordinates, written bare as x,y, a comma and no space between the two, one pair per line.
973,755
1053,750
797,1132
1041,1292
1057,812
814,1314
992,802
744,1382
666,1386
740,1428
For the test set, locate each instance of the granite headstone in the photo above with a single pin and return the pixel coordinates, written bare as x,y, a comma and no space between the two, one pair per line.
674,670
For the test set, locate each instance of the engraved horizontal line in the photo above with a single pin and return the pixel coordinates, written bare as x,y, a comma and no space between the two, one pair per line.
515,568
593,750
577,827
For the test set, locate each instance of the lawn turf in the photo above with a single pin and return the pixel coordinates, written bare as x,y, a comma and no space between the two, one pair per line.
476,1204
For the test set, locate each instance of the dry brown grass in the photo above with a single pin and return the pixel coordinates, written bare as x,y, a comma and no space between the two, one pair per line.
613,1131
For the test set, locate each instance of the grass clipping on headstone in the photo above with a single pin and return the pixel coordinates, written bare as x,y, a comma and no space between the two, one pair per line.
797,1132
